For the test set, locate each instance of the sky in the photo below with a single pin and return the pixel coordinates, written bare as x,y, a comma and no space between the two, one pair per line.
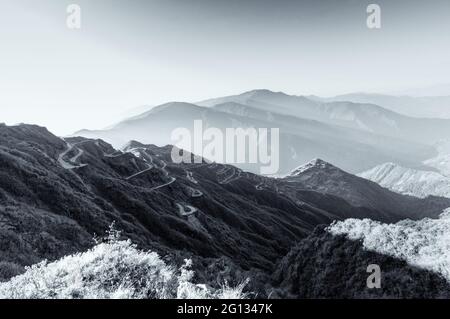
132,53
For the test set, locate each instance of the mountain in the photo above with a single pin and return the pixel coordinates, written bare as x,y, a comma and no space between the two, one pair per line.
347,112
267,100
432,90
56,195
420,106
422,243
409,181
441,162
320,176
413,257
300,139
331,266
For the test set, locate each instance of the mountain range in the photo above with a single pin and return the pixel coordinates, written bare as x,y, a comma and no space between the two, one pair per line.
437,107
359,115
292,233
353,136
57,194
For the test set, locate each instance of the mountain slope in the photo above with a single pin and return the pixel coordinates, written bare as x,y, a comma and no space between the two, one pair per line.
332,266
423,243
409,181
55,195
323,177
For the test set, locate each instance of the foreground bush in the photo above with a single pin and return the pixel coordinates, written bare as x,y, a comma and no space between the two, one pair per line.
424,243
112,269
329,266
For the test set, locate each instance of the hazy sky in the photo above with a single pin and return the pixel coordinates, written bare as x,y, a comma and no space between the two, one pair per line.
130,53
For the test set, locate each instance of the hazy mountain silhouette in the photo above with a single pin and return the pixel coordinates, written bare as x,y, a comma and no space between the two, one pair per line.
302,138
420,106
351,111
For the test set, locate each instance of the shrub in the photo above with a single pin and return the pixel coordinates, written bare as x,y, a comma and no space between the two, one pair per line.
424,243
112,269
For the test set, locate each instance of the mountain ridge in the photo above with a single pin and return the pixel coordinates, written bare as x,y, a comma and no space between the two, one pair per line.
300,138
409,181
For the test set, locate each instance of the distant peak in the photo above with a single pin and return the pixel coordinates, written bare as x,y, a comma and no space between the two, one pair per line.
132,144
263,92
172,105
167,107
258,91
315,163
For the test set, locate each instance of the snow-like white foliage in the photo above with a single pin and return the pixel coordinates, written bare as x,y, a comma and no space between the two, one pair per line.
409,181
188,290
442,161
112,269
424,243
315,163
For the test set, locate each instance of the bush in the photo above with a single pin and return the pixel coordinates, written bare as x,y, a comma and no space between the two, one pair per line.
424,243
111,269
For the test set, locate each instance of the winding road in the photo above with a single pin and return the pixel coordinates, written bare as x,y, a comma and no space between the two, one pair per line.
260,186
70,164
166,174
172,179
75,158
232,177
150,167
112,155
186,210
196,192
190,177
